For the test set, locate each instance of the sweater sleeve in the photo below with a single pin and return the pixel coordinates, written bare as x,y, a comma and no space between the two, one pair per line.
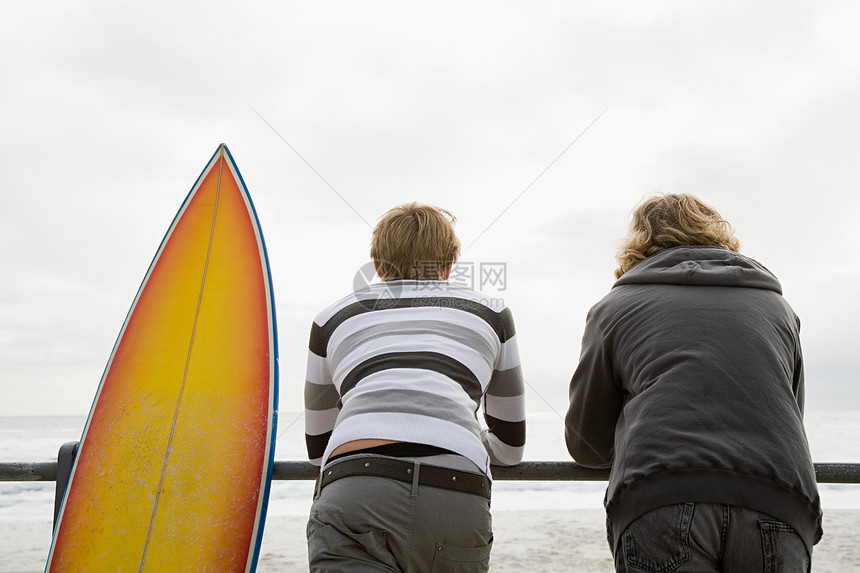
322,404
595,402
504,405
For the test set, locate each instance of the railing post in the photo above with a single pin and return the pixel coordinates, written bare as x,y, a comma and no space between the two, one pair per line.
65,461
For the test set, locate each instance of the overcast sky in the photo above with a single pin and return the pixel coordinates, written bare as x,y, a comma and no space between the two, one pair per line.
336,111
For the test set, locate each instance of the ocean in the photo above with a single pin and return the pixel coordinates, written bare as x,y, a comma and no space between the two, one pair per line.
26,508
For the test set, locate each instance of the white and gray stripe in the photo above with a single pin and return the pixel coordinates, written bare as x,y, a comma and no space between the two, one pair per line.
416,368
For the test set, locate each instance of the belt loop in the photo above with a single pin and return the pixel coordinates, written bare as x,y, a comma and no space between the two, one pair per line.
318,486
416,470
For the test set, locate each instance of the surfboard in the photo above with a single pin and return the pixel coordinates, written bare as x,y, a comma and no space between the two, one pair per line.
175,463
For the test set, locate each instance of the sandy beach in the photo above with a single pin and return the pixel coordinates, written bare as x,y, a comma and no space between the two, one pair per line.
554,541
526,541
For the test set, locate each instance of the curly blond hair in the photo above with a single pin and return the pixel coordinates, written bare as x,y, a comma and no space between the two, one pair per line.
672,220
414,241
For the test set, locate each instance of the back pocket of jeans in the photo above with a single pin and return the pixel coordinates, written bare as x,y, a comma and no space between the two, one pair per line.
453,559
659,541
782,548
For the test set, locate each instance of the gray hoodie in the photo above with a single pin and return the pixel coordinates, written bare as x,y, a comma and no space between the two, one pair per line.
690,387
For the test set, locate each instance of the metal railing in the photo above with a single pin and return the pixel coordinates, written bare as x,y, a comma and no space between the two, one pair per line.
60,471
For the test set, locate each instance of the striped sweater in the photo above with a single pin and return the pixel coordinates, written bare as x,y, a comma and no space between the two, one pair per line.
413,361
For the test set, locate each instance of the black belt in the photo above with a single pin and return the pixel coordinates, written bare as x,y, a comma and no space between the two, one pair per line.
401,470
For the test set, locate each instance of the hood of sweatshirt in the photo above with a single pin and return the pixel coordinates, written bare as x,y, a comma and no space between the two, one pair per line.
701,266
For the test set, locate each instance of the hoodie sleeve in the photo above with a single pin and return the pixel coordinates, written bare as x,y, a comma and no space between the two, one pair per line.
595,402
797,383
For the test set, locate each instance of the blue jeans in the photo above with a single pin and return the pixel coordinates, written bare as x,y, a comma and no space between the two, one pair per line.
706,537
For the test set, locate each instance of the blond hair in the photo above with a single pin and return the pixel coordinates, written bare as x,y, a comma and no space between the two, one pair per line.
664,221
414,241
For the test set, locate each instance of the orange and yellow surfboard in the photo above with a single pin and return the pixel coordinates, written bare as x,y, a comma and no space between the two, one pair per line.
175,463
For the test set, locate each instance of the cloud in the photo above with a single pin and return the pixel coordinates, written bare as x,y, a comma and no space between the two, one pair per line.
109,113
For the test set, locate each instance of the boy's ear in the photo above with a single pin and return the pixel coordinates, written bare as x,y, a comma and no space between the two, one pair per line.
447,273
376,266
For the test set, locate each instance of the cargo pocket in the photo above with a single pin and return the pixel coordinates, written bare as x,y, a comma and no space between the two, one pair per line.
659,541
453,559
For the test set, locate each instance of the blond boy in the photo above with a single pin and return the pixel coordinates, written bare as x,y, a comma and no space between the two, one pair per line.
396,374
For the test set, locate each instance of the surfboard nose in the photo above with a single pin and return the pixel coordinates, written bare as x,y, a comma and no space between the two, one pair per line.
192,377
